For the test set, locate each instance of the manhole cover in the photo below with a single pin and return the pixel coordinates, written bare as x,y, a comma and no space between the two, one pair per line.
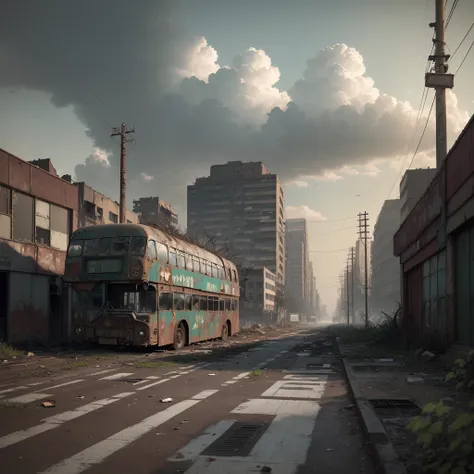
237,440
395,408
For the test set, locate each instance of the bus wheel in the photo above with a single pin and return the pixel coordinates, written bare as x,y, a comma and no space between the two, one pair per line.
225,332
179,337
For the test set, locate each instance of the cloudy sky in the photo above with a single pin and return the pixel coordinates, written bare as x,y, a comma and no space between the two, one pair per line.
325,92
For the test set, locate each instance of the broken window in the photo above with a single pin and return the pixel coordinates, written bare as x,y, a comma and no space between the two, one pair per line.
5,213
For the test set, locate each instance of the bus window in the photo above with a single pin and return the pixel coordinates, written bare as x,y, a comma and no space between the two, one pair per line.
151,249
162,252
196,303
196,265
189,262
212,303
166,301
178,300
208,268
105,246
147,300
222,273
173,257
235,305
234,275
97,297
120,245
75,248
221,305
91,246
137,246
188,302
181,261
229,274
214,271
227,304
203,303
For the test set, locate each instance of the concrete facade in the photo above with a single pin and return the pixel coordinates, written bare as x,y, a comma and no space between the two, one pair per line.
297,281
412,187
241,207
155,211
435,245
260,294
95,208
385,268
38,211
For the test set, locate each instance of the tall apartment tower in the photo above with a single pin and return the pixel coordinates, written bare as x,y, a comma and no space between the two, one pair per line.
297,280
241,206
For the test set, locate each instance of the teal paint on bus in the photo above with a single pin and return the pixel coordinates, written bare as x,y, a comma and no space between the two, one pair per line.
154,272
201,282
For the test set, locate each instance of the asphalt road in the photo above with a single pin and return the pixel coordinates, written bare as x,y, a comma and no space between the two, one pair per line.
277,405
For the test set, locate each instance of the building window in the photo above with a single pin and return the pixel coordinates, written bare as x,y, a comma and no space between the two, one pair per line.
5,213
113,217
100,213
23,210
434,291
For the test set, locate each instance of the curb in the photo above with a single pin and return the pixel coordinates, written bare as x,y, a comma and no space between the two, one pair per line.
387,458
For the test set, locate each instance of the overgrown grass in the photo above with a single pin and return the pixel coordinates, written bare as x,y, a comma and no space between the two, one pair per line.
256,373
154,365
385,332
8,352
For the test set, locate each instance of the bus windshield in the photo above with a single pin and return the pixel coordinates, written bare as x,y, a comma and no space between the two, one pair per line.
132,297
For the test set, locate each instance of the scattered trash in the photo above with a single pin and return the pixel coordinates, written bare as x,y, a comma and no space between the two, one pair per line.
329,449
166,400
30,354
184,422
428,355
49,404
349,407
41,366
80,396
211,459
177,428
266,469
211,374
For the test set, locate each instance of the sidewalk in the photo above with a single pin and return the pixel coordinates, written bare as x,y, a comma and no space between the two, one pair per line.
389,388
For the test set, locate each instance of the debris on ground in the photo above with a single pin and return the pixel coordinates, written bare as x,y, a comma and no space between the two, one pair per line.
49,404
30,354
166,400
80,396
210,374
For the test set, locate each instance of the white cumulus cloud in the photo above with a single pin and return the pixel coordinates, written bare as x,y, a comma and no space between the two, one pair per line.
146,177
199,60
303,212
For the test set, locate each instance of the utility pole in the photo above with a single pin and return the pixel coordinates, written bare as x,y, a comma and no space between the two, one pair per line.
440,81
352,283
363,235
123,132
347,291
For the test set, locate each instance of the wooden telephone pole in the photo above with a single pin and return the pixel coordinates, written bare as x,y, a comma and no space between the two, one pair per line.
123,132
352,284
363,235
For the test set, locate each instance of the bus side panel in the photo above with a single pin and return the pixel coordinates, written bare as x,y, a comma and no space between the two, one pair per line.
154,330
234,322
166,322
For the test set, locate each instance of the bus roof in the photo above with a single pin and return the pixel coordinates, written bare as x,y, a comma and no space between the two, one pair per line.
159,235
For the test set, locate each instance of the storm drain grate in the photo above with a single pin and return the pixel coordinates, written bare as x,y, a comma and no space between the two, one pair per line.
393,408
238,440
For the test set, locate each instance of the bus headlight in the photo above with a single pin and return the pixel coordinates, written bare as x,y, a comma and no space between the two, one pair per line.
141,333
79,331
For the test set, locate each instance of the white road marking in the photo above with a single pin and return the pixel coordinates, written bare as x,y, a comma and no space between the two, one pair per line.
106,371
326,366
35,384
283,447
151,377
297,388
12,389
56,420
98,452
241,376
64,384
120,375
303,354
196,446
153,384
29,397
204,394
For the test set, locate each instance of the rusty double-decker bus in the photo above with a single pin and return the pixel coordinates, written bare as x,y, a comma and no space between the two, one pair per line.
139,286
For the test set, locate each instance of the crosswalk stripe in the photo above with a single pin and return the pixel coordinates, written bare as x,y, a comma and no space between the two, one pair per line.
57,420
98,452
121,375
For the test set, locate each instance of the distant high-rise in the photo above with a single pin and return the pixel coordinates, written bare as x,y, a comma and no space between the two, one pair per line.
241,207
297,281
155,211
385,278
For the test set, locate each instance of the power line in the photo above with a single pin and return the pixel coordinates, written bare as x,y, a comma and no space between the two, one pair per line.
451,12
465,57
462,41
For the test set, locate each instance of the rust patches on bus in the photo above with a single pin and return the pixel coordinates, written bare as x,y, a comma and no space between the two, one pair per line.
166,275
